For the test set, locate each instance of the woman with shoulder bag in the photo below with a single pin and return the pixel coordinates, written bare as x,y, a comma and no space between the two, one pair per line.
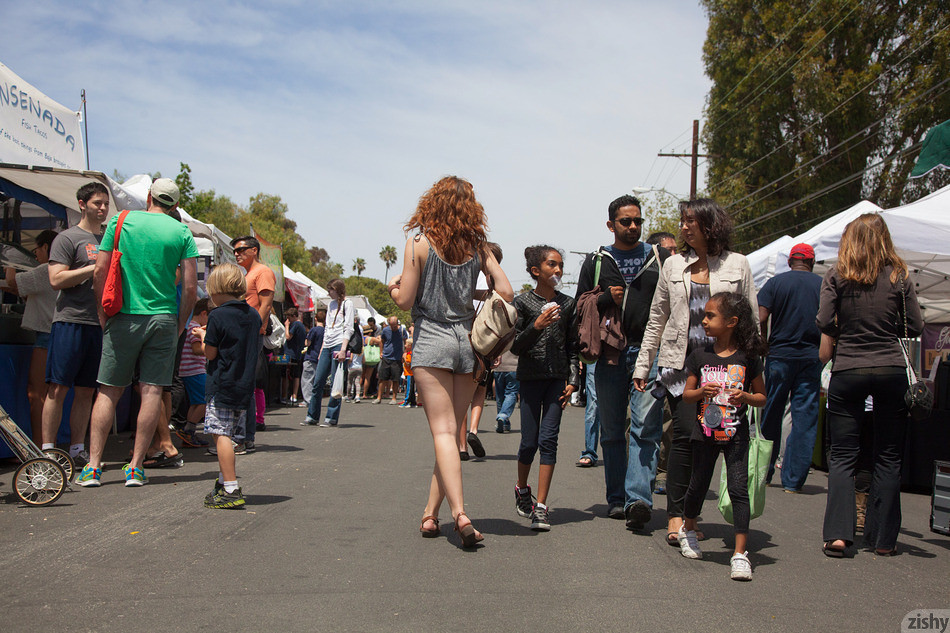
867,301
336,336
440,268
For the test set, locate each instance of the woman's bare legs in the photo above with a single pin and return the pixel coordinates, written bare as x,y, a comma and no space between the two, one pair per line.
446,398
478,404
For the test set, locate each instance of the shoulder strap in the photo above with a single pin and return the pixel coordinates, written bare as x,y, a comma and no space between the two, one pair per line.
598,255
654,257
118,230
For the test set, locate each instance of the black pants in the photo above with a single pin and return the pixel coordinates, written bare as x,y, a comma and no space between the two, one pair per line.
680,460
705,455
540,420
846,395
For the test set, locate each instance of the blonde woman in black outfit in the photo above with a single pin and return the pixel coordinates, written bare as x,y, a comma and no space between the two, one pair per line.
863,299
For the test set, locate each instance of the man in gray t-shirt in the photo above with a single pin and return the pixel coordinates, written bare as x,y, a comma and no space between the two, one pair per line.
76,249
75,344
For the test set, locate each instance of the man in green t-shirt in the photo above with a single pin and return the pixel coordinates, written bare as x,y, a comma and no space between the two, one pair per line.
145,331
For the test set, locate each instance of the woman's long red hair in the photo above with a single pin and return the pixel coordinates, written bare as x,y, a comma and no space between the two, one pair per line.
452,219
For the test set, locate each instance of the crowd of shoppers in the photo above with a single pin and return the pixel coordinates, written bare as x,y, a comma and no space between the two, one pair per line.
679,325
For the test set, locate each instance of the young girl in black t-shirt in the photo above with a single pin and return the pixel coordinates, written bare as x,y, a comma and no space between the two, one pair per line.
726,377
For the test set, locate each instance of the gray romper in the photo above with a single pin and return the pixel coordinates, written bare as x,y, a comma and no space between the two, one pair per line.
443,313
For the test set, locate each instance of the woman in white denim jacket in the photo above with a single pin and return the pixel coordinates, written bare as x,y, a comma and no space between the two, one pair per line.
703,267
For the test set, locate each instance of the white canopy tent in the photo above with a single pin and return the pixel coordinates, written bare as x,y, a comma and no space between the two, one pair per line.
823,237
921,233
762,261
365,310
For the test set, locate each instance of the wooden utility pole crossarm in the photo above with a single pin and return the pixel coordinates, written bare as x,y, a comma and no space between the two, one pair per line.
694,157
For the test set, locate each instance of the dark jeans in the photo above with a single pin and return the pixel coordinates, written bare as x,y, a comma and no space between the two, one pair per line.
736,455
846,395
800,380
540,420
680,462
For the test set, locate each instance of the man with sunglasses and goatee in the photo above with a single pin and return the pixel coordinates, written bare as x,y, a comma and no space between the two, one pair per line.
628,272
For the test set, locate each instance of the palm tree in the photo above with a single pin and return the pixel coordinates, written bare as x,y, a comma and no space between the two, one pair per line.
359,265
389,255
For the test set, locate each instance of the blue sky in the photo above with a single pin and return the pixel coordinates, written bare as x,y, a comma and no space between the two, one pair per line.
350,110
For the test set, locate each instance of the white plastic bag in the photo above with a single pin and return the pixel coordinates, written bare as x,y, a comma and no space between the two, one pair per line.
339,380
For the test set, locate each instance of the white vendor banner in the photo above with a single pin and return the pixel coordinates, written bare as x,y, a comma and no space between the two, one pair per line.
34,129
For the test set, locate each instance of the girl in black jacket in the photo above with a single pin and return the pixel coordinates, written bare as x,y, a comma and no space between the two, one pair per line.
546,345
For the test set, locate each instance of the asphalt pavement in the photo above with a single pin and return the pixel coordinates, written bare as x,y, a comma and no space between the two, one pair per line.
329,541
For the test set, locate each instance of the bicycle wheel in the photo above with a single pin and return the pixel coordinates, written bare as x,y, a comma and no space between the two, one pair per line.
39,482
62,458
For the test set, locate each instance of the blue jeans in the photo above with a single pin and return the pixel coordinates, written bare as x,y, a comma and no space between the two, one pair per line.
326,367
591,421
629,459
799,379
506,394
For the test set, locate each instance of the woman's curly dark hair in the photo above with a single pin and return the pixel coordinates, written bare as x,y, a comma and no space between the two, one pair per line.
746,334
713,221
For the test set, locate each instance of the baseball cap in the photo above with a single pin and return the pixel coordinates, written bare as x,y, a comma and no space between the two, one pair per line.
165,190
802,251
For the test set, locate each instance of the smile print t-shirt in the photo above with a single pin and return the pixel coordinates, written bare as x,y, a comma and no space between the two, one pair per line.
717,420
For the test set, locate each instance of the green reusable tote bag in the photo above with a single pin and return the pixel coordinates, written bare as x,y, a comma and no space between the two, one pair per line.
760,452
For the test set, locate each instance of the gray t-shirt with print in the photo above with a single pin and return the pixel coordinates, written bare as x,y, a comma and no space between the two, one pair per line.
76,248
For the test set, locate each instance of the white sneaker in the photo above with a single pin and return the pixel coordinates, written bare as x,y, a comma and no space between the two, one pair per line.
741,567
689,544
356,399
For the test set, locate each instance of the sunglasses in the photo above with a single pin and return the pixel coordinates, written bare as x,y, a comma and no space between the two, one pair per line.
626,222
241,249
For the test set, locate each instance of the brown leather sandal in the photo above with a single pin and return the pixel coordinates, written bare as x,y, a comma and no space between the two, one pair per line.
468,533
434,531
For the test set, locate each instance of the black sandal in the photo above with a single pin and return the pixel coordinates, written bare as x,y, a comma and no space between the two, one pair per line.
161,460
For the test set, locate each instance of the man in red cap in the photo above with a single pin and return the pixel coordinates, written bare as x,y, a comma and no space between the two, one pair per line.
792,367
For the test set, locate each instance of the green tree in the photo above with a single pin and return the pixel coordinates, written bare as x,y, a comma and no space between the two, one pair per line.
526,288
817,105
390,256
185,187
378,295
359,265
661,210
318,255
326,271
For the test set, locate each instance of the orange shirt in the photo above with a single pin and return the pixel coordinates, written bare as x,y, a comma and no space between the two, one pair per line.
407,363
259,279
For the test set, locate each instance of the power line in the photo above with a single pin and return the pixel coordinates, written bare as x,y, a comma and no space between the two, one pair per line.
822,117
828,153
815,220
832,187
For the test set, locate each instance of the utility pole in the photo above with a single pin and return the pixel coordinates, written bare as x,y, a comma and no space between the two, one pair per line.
694,157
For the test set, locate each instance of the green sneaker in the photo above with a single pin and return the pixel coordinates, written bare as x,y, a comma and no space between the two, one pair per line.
218,490
89,477
134,476
226,501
